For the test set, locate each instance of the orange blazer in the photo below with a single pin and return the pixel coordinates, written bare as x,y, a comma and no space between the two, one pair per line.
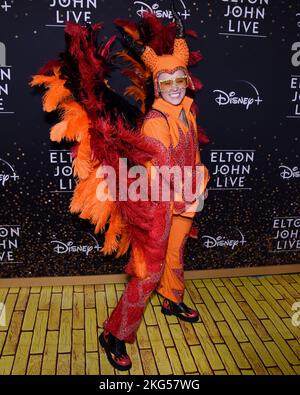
177,142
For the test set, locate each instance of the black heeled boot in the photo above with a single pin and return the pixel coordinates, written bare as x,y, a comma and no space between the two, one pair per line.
180,310
116,351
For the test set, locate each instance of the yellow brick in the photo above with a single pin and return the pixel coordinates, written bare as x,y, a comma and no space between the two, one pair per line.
220,373
201,360
183,349
272,280
236,281
270,288
296,286
211,304
286,306
30,313
233,346
13,334
213,290
284,293
285,333
175,361
284,347
142,336
34,365
2,340
275,371
14,290
78,310
133,351
296,277
35,290
254,280
22,299
253,303
105,367
289,278
63,364
199,283
67,298
189,333
89,296
247,372
78,288
297,369
188,300
6,363
159,351
295,346
92,363
209,323
78,353
208,347
39,334
254,359
255,322
21,358
50,353
149,362
233,289
192,290
257,344
57,289
44,303
101,308
164,327
232,303
252,289
54,313
65,332
232,322
227,359
111,295
279,358
293,329
149,315
285,285
272,302
218,282
3,294
91,338
100,287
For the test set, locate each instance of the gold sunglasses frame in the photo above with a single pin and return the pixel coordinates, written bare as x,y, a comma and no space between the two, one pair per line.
173,80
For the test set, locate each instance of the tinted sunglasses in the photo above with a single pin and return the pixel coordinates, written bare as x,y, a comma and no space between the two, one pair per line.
166,85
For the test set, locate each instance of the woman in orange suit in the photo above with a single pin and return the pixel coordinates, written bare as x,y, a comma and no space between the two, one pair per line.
171,126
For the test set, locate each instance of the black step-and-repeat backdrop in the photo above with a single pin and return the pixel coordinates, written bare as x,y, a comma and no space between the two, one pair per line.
249,107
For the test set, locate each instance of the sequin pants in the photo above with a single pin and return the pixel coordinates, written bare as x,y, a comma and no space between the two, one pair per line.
166,277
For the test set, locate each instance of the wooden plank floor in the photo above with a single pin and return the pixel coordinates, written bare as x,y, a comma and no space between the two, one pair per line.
245,328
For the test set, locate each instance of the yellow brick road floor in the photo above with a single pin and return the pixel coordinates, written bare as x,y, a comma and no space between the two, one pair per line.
245,328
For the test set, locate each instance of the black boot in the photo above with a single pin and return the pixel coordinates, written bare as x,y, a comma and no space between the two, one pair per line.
116,351
180,310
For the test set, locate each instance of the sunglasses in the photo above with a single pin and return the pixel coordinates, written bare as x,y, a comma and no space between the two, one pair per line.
167,85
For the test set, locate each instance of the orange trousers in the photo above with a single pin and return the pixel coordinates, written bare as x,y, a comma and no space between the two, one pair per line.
171,284
167,279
